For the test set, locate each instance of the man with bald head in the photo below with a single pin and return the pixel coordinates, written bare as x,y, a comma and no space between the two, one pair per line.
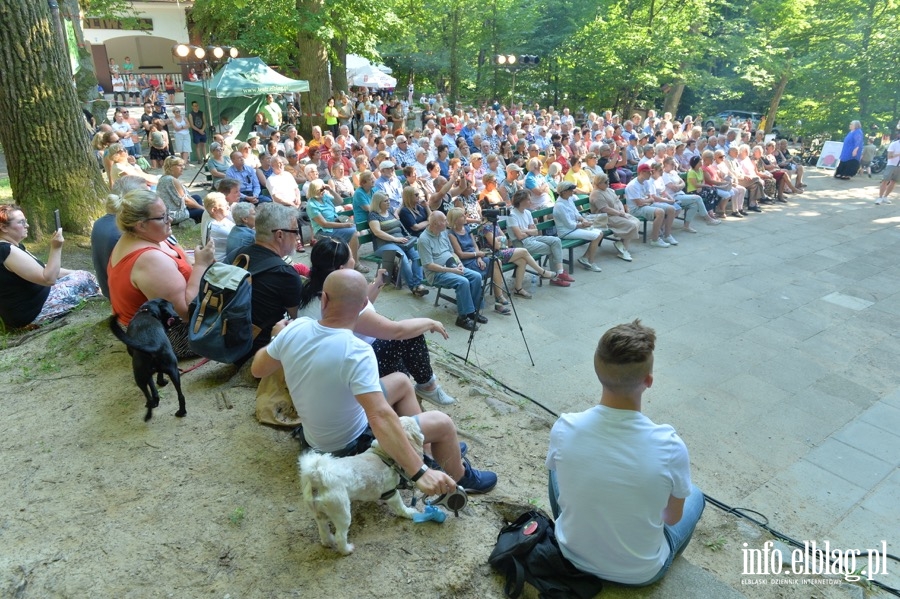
444,269
325,359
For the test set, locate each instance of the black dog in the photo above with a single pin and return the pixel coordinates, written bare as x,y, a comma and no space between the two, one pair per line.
151,351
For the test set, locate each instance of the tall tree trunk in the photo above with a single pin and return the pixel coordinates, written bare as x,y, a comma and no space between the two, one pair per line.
39,114
776,98
85,78
454,56
673,98
339,65
478,72
312,64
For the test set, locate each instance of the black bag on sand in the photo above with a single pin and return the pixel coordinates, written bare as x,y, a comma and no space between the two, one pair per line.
527,551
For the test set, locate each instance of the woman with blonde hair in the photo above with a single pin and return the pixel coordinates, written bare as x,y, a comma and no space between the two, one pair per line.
220,222
121,166
147,264
624,226
389,235
414,211
174,195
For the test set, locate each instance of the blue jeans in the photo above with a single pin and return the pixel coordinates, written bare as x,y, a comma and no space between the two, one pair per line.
410,267
677,535
467,286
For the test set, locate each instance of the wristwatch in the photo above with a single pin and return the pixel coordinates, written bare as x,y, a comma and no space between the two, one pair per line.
415,477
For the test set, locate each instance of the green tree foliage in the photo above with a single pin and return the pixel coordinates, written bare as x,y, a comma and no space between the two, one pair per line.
819,61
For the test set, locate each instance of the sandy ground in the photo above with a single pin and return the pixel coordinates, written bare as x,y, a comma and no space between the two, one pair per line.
98,503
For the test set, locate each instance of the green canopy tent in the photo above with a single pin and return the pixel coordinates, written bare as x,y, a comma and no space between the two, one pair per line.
238,90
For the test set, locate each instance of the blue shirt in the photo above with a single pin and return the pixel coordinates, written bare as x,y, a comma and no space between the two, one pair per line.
362,203
325,208
392,188
247,178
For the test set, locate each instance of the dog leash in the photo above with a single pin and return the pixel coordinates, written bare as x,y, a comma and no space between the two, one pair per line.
195,366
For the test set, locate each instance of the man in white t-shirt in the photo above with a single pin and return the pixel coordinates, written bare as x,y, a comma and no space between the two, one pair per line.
891,171
642,201
324,359
620,485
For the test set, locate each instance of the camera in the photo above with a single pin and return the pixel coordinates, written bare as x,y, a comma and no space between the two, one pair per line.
490,213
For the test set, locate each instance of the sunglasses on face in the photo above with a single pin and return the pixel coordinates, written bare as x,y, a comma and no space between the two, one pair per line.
167,217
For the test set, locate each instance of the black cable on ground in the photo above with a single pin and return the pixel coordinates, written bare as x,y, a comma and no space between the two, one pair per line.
740,512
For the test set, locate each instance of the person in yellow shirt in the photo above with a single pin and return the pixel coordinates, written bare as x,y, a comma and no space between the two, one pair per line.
580,177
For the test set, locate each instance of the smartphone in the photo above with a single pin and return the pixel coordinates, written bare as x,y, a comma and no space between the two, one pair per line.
208,231
385,278
56,218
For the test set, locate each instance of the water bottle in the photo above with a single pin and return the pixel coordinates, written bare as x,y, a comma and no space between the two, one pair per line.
533,280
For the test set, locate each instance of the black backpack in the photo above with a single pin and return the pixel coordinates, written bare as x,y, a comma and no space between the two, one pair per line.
527,550
221,326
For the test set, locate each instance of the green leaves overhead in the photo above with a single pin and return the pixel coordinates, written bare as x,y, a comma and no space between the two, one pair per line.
831,59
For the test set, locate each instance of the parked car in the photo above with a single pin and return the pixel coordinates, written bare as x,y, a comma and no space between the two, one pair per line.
737,117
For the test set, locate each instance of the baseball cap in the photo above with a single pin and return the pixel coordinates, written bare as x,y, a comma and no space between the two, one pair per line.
644,167
513,167
565,186
386,164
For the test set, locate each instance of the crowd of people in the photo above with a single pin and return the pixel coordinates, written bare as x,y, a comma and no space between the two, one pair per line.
423,192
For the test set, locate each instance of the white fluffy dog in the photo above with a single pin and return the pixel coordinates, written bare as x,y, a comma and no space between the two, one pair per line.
329,484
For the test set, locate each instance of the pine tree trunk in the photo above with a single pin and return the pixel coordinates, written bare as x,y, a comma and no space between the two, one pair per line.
42,129
312,65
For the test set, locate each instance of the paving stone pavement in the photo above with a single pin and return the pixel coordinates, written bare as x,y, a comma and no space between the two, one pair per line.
777,352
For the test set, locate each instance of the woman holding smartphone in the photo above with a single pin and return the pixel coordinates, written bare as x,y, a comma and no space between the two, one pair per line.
31,292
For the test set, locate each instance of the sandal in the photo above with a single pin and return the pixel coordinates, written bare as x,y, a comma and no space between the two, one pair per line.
501,300
522,293
547,274
501,309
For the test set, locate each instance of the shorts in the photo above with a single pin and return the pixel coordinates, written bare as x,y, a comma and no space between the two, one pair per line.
891,173
133,94
198,138
645,212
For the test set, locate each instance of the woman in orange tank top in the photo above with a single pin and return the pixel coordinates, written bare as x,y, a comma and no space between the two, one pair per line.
146,264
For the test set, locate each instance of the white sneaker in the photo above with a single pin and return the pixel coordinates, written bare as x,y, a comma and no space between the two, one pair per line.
671,240
879,201
594,267
886,201
659,243
437,396
620,247
625,255
583,261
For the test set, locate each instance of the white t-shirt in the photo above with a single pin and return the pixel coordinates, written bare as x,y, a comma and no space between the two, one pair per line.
635,190
283,185
894,148
325,369
314,310
616,470
218,231
519,218
124,131
670,177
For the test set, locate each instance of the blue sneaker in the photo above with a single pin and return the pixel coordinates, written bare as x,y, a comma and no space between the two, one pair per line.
477,481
